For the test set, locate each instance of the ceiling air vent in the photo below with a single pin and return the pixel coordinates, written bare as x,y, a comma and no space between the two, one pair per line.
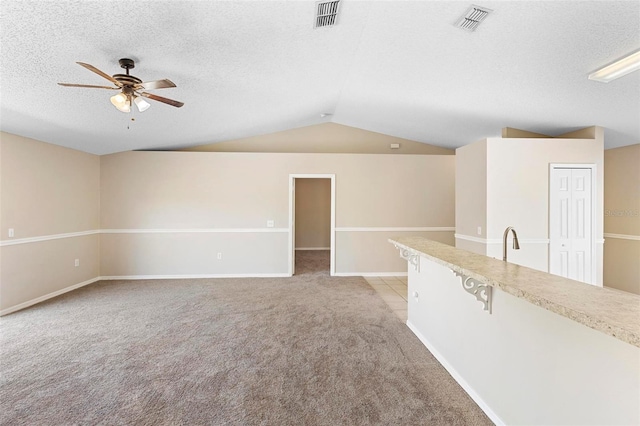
326,13
472,17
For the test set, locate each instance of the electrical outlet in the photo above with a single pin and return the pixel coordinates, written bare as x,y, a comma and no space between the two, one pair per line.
77,263
479,230
11,233
270,223
219,256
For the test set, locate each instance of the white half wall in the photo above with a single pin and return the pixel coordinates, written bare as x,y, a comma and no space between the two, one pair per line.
523,364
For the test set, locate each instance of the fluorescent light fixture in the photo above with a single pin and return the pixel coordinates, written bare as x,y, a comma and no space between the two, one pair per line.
619,68
141,104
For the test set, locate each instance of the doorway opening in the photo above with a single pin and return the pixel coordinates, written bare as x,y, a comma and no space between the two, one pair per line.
311,224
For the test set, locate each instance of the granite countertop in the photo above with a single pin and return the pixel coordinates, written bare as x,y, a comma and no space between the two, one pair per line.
610,311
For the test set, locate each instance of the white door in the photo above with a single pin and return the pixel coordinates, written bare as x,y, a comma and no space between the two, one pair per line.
570,224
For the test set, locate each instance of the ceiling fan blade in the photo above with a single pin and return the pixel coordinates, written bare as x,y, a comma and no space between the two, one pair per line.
88,86
100,73
157,84
161,99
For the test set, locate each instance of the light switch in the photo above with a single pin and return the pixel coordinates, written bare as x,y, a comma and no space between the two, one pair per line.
270,223
10,232
479,230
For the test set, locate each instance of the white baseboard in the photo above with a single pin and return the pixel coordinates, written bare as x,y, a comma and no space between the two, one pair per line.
370,274
197,276
47,296
457,377
313,248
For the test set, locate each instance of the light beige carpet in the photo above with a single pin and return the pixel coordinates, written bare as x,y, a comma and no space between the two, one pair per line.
307,350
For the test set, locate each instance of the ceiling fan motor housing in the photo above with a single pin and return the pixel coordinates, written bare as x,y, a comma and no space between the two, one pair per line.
126,79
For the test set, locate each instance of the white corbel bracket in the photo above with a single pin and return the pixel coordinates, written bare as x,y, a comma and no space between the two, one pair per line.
409,256
481,291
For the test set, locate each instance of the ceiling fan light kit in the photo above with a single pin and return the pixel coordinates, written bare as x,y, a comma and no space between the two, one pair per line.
141,104
130,88
121,102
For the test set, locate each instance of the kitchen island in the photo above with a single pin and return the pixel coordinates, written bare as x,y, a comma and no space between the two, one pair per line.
529,347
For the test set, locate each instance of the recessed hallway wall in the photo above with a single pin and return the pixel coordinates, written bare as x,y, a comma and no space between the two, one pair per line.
622,218
313,214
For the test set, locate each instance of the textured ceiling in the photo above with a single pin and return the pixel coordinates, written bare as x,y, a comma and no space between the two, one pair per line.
246,68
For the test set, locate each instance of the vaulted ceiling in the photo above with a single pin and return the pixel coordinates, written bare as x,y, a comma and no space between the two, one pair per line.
246,68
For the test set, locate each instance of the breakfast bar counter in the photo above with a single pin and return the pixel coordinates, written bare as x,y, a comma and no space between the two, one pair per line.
610,311
529,347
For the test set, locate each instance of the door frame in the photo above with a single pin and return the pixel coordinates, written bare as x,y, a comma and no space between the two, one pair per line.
292,243
594,169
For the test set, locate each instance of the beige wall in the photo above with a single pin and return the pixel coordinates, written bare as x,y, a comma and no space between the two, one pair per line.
35,270
192,254
325,138
510,132
161,191
161,213
622,190
584,133
371,252
313,213
515,174
622,218
46,190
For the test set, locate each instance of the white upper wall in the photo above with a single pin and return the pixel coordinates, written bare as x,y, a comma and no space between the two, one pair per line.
516,172
518,181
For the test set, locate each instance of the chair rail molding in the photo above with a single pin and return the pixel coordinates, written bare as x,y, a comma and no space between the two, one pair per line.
622,236
37,239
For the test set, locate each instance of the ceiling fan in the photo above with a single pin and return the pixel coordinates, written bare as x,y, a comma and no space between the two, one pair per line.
130,88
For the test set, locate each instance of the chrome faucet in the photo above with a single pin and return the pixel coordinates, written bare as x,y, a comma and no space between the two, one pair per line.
516,245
